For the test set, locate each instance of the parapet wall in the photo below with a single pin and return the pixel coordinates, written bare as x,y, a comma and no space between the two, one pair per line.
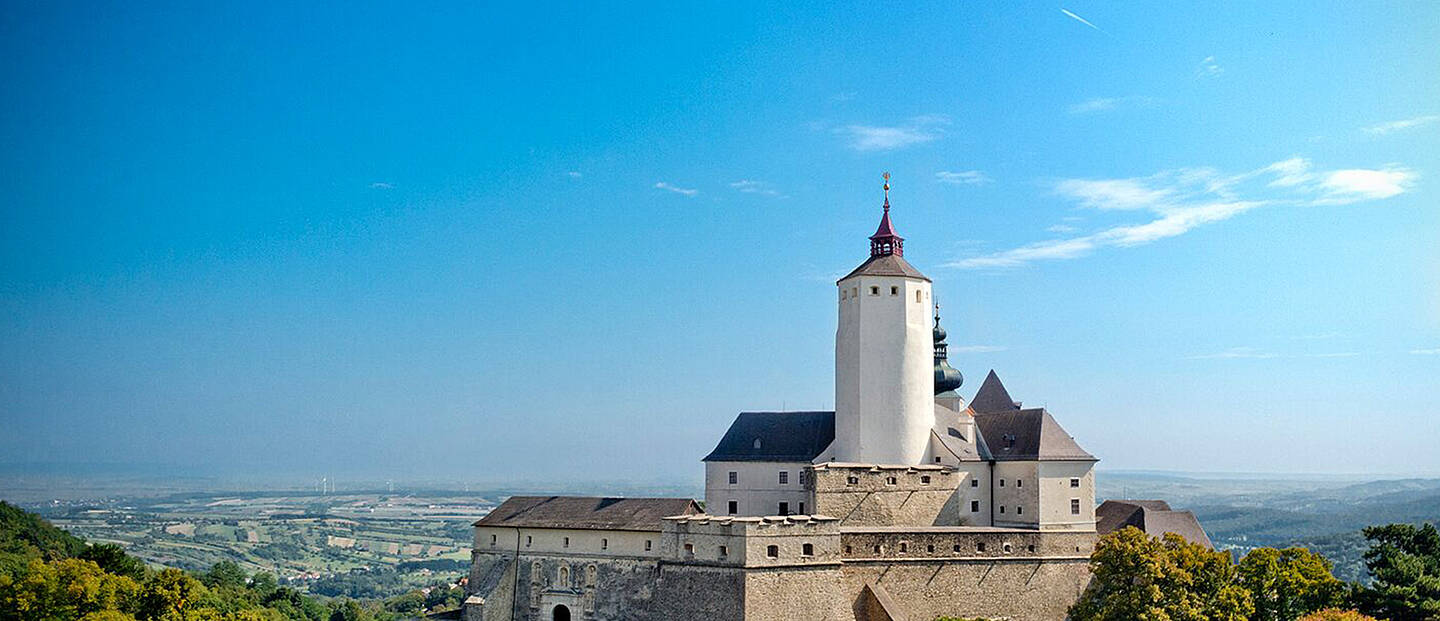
868,495
751,541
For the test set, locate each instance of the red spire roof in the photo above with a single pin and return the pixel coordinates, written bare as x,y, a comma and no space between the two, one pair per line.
885,241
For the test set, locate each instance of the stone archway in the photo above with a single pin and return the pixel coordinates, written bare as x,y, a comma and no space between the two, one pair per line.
560,613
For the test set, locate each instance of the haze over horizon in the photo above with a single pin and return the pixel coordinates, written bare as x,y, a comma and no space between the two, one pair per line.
553,242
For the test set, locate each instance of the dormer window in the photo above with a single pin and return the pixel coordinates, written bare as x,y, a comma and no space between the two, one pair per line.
757,444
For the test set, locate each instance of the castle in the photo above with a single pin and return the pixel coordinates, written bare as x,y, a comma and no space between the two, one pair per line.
905,502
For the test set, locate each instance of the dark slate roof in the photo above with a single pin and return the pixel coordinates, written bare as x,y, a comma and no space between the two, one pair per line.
1028,435
783,436
992,396
1154,517
587,512
887,265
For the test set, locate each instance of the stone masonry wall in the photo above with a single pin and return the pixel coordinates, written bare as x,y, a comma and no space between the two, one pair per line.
1017,589
886,496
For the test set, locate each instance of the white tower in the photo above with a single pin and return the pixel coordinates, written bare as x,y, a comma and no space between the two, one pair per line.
884,357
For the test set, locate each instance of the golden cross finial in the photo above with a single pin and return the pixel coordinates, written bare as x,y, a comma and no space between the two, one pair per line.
887,184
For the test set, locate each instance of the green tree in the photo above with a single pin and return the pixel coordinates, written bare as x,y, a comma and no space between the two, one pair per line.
64,590
169,595
1335,614
112,558
1138,577
225,574
24,536
1285,584
1404,564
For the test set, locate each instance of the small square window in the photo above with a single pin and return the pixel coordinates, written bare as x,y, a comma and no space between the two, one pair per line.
924,479
1007,548
974,506
889,480
847,549
807,549
894,291
980,547
874,290
734,478
724,551
1030,548
956,548
772,551
1074,482
879,549
930,548
937,459
852,480
974,482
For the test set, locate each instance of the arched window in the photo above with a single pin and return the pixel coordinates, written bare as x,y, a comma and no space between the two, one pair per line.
564,580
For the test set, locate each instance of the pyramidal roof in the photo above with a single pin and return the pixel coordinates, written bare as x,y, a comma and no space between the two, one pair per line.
992,396
1028,435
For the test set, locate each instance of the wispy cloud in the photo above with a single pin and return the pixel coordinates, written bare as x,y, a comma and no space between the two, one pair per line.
1060,229
574,174
920,129
1102,104
976,349
1178,201
1209,68
1426,352
963,177
754,187
1234,353
1338,354
1395,126
380,185
661,185
1079,19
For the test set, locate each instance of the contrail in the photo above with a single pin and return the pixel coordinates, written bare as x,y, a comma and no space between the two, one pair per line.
1080,19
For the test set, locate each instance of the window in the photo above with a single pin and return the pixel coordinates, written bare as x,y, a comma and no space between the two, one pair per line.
879,549
604,544
724,551
757,444
889,480
802,507
567,542
1074,482
852,480
917,295
930,548
974,482
808,549
734,478
847,549
784,477
924,479
937,459
529,540
784,508
974,506
647,545
1019,483
980,547
1030,548
956,547
874,291
1002,482
894,291
492,540
1074,506
1007,548
1019,510
854,292
904,547
732,507
689,550
1002,508
772,551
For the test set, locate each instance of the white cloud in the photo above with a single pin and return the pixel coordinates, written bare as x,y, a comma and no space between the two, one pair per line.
380,185
964,177
1233,353
1178,201
1341,354
918,130
754,187
574,174
1101,104
1395,126
661,185
1426,352
1358,184
1061,229
1079,19
1209,68
976,349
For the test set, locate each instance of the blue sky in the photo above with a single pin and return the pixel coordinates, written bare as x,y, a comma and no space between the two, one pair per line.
561,242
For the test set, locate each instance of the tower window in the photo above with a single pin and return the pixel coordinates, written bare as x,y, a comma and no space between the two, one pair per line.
567,542
874,290
974,482
1074,482
894,290
917,295
889,480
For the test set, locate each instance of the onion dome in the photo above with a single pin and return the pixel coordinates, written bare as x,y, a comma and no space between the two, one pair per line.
947,378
